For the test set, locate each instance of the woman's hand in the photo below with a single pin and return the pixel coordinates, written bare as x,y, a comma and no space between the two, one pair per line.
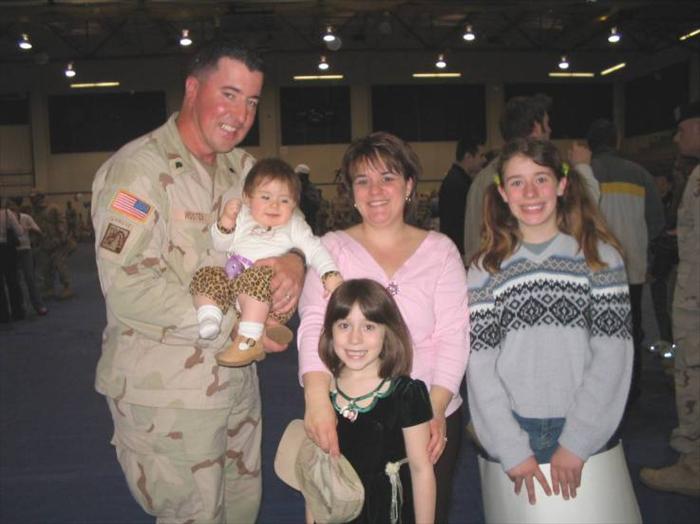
566,469
524,472
439,399
319,416
438,438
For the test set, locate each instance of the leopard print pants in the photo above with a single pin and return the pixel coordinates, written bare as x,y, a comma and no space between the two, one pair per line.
214,283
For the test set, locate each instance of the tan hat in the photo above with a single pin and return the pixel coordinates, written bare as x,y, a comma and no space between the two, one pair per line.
331,487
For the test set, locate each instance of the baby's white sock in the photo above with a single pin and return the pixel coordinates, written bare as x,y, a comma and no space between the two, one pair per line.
209,318
252,330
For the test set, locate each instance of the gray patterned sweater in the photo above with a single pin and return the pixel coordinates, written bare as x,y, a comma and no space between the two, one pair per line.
549,338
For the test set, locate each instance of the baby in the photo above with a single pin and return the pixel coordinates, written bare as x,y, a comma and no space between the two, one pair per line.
262,225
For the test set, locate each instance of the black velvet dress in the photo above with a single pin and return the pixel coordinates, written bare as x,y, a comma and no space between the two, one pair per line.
376,438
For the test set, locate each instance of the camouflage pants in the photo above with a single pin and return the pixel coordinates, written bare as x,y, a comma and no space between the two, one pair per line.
51,262
686,331
190,465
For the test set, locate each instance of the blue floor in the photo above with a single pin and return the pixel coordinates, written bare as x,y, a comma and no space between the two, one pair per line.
57,466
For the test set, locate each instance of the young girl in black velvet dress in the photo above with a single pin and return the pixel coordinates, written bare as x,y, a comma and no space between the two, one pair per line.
382,413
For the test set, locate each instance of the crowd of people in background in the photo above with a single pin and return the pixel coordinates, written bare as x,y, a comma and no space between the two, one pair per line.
36,242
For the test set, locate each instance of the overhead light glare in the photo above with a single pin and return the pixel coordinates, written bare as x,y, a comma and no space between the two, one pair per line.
323,65
614,36
69,71
329,36
441,63
24,43
437,75
563,63
185,39
469,34
318,77
690,35
87,85
612,69
559,74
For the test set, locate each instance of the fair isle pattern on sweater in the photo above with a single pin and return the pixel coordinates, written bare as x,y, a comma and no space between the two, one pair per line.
558,292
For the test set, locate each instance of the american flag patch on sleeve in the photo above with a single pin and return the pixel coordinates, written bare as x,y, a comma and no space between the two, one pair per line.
131,206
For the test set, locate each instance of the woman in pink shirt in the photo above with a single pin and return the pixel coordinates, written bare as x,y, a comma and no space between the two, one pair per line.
422,270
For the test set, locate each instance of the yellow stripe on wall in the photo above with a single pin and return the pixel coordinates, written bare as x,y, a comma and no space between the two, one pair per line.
622,187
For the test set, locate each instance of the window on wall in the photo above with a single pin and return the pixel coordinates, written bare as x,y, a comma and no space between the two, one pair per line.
574,105
253,136
315,115
14,109
650,99
102,121
429,113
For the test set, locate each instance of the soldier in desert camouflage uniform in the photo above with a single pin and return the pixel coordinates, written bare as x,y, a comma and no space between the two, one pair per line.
187,432
54,247
684,476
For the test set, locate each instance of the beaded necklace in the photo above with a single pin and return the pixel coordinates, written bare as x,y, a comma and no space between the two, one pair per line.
352,409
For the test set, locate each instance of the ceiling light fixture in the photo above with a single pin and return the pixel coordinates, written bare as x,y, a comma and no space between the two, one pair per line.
437,75
614,36
318,77
690,35
70,70
612,69
469,34
24,43
563,63
89,85
185,39
441,63
329,36
573,74
323,65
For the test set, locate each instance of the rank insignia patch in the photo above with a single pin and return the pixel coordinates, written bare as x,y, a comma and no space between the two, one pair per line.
114,238
131,206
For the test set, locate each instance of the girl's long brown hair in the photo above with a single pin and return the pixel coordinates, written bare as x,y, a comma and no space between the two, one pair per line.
577,214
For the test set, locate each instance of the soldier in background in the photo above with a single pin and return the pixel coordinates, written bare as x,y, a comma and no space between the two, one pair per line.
53,248
72,225
684,476
341,213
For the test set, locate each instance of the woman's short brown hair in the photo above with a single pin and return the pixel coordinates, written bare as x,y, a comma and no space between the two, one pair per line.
377,305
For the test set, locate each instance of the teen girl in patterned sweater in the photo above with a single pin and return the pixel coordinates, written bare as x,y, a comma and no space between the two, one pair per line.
549,309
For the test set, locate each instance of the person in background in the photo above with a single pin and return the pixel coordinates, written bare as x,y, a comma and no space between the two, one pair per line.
684,476
25,258
54,247
310,201
469,159
664,258
187,432
10,233
424,273
632,208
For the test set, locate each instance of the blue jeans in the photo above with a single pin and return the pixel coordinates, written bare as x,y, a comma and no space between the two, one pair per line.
544,435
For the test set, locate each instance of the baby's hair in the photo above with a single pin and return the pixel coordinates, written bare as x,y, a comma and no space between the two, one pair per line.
577,214
272,169
378,306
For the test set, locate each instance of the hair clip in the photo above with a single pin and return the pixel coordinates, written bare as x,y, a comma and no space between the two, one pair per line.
565,168
497,180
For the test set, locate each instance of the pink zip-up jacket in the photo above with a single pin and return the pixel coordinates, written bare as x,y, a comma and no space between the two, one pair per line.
430,289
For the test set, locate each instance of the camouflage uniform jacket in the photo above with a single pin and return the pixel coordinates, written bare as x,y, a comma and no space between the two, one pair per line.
53,226
152,205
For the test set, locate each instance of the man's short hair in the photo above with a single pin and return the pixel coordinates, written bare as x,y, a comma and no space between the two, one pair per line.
466,145
208,56
687,111
521,113
602,135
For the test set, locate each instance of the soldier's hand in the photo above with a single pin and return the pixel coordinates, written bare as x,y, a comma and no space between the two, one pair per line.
287,281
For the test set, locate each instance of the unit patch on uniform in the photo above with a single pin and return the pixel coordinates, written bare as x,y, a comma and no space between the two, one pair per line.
131,206
114,238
